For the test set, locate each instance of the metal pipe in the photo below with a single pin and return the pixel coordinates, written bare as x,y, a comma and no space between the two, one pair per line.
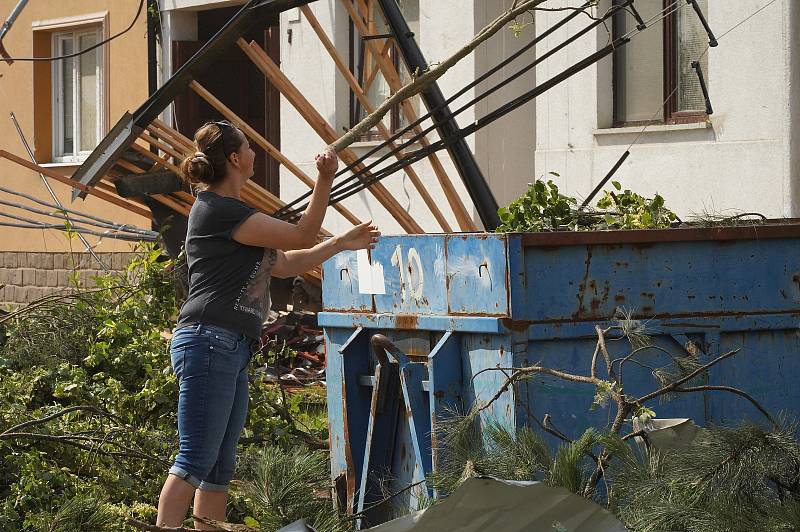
152,57
712,40
7,26
32,157
462,157
11,18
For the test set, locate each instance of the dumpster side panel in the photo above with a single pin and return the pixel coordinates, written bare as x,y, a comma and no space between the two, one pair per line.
348,406
768,368
341,284
663,279
485,362
414,272
477,275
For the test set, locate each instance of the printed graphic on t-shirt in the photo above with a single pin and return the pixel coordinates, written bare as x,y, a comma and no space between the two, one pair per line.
254,297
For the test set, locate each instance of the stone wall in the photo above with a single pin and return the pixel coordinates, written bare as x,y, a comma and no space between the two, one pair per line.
25,277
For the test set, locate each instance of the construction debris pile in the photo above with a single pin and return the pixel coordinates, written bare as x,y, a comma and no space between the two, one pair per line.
295,349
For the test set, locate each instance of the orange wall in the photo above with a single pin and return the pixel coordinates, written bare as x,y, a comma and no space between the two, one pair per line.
125,90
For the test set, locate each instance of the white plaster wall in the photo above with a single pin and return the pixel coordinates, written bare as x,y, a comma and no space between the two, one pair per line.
505,149
740,162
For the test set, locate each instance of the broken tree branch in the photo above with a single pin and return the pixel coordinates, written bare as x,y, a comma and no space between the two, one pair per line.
731,389
673,385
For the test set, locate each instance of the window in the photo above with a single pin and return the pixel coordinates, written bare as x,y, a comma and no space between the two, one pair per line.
657,64
77,95
366,69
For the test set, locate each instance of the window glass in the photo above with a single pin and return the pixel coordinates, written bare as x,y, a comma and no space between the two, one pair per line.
89,91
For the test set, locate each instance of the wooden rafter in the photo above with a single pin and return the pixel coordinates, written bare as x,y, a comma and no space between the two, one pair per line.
264,63
392,77
362,97
111,198
261,141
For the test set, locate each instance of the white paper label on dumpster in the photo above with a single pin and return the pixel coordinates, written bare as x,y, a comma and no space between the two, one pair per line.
370,276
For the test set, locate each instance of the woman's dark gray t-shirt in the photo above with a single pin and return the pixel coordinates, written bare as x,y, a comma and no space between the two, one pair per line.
228,281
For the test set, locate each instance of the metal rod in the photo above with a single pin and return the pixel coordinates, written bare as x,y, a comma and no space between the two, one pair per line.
712,40
605,180
411,127
464,161
7,26
640,25
488,119
699,69
52,192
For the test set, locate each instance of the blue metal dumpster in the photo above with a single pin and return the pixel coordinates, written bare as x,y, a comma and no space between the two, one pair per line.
454,305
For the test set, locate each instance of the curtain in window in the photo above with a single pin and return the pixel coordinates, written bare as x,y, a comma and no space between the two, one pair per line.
89,93
639,66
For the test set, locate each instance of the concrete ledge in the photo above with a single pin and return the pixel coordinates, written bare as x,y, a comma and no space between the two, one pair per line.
654,128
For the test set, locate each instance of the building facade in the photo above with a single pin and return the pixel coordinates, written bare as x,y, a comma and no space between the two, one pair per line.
63,109
504,151
743,157
645,96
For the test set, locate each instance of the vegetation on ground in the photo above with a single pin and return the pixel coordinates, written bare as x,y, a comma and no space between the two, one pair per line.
88,401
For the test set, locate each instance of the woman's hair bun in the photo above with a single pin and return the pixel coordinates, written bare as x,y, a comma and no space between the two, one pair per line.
209,163
197,168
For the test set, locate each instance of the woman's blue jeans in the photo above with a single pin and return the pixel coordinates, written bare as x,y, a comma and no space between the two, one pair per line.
211,366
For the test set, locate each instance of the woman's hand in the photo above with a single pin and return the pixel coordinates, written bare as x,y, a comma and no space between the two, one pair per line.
327,163
362,236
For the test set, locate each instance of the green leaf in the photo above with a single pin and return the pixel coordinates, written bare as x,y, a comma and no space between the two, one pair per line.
617,185
249,521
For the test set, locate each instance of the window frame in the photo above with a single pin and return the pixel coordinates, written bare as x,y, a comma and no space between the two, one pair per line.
57,85
357,48
669,50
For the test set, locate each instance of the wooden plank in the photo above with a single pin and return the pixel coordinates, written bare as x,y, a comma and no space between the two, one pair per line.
155,158
169,150
362,97
261,141
395,83
172,203
169,139
129,166
116,200
324,130
175,134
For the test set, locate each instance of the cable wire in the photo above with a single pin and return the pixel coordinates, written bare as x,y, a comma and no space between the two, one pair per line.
409,141
419,154
89,49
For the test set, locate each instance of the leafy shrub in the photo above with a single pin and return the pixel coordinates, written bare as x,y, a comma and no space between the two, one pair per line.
544,208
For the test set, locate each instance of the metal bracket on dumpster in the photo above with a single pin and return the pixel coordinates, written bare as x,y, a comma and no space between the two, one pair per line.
395,443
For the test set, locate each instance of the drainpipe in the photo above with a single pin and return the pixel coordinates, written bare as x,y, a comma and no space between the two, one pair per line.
7,26
152,50
446,125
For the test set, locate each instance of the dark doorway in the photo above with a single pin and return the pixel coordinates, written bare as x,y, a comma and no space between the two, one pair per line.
238,84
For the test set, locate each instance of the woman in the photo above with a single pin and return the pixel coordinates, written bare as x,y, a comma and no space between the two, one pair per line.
232,251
